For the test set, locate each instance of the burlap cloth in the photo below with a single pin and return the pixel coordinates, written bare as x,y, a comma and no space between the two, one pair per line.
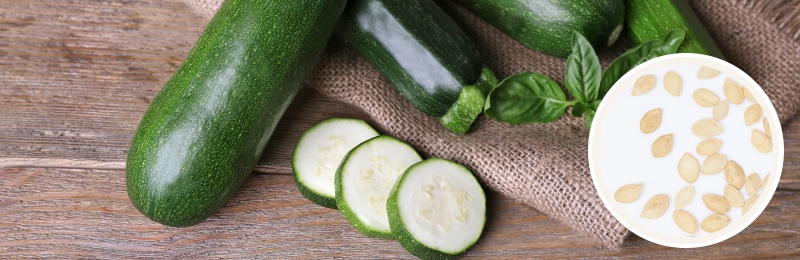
545,165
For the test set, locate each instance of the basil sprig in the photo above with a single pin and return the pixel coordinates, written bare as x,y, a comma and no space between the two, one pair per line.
535,98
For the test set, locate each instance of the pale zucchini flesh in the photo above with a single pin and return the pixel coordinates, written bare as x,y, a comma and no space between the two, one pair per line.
365,178
437,210
320,151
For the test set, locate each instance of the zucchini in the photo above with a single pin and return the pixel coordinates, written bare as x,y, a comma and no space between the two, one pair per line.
547,25
652,19
437,209
420,50
364,179
320,151
203,133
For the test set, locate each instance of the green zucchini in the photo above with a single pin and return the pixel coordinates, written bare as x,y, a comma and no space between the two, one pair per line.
652,19
547,25
437,209
420,50
365,178
205,130
320,151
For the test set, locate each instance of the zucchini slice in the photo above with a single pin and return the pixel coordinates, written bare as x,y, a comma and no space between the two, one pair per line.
364,179
437,209
320,151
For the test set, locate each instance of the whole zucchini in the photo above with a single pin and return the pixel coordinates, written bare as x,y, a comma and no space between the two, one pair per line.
547,25
421,51
652,19
205,130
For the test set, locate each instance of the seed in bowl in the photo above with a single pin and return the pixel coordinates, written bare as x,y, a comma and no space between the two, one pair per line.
643,85
734,174
656,206
715,223
707,127
673,83
707,73
650,121
709,146
733,196
705,97
714,164
733,91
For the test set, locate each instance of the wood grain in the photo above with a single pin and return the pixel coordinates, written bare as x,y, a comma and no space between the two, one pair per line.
53,213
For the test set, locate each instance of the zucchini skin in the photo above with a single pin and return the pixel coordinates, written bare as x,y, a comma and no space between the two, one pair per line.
416,46
652,19
547,25
206,129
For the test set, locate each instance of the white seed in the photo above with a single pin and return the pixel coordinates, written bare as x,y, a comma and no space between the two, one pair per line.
707,127
716,203
688,168
467,197
733,91
427,191
662,145
628,193
643,85
764,183
684,197
733,196
720,110
749,204
460,218
707,73
752,183
425,214
761,141
714,164
673,83
715,223
767,130
748,95
705,97
734,174
752,114
685,221
709,146
650,121
655,207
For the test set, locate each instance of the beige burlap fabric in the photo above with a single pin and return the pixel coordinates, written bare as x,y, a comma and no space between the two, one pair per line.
545,165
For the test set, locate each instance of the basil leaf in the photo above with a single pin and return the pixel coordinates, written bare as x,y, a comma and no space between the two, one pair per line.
638,55
589,119
526,98
579,108
583,74
595,104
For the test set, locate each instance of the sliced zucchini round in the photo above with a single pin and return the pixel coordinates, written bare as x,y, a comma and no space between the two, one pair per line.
320,151
365,178
437,209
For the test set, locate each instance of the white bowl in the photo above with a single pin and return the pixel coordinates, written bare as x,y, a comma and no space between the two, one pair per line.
619,153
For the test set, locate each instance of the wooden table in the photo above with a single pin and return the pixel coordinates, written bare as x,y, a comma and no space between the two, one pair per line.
76,76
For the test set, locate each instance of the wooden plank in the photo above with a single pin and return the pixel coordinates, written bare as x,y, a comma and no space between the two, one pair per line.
54,213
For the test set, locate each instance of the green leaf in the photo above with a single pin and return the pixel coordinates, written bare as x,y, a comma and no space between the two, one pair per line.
579,108
583,74
595,104
589,119
526,98
638,55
